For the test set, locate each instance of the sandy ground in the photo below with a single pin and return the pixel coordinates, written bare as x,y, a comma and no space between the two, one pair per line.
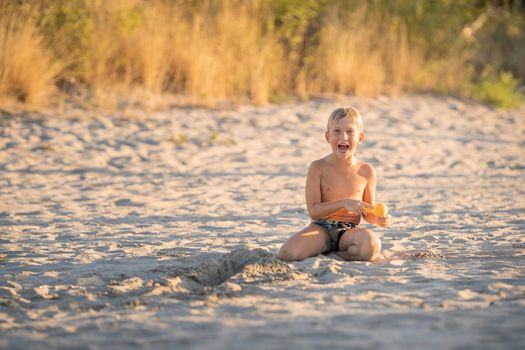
161,232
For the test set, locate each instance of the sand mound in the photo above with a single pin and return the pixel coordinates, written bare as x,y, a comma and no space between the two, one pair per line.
245,265
199,275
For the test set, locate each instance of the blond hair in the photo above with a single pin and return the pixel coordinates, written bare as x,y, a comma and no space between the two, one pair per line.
346,111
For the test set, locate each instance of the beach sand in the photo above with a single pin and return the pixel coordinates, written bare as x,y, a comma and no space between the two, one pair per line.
160,230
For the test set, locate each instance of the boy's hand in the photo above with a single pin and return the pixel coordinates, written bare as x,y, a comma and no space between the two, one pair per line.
381,221
356,206
352,209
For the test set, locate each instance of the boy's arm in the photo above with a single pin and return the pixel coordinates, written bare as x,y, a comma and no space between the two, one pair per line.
317,209
369,196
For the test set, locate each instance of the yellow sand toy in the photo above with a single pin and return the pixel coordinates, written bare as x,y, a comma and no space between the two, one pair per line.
378,209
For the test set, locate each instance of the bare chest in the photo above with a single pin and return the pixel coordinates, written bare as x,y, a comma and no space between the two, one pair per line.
337,185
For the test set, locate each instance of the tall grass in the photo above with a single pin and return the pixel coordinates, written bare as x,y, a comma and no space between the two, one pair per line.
27,65
211,51
225,54
365,57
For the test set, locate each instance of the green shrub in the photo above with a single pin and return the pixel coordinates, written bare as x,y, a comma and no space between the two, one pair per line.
502,91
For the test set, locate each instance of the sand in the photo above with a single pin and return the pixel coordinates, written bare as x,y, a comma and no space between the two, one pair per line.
160,230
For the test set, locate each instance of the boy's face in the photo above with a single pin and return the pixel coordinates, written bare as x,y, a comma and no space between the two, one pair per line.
344,136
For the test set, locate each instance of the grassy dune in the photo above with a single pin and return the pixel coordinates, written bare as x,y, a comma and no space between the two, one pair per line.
259,51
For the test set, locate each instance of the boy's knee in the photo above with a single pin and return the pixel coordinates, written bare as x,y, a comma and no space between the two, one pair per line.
289,254
370,246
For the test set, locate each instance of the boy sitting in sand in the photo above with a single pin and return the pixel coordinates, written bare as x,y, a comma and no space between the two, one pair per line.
339,187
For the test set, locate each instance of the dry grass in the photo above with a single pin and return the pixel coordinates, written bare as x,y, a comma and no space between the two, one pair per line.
226,55
211,52
365,57
27,67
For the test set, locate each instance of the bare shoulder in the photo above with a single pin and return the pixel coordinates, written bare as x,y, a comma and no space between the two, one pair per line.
318,165
367,170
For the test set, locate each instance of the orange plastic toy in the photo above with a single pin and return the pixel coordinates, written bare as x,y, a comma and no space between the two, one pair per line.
378,209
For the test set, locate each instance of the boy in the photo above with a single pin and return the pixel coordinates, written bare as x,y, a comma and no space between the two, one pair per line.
338,189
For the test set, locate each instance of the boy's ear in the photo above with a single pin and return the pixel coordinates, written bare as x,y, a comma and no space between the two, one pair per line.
361,137
326,136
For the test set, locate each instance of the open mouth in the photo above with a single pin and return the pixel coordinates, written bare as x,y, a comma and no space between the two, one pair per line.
343,148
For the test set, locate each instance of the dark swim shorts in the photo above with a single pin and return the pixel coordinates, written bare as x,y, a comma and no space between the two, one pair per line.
335,230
